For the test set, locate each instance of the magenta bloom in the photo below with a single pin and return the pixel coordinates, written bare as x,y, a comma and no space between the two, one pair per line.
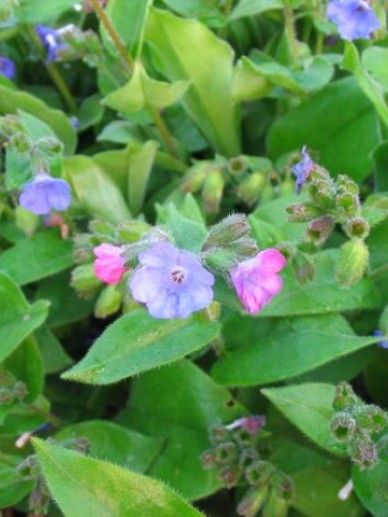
171,282
354,18
110,264
257,281
44,194
251,424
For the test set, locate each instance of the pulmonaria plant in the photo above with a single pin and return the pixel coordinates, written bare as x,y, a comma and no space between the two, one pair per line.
45,194
355,19
171,282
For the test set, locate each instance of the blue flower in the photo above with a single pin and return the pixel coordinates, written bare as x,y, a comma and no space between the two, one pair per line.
171,282
7,67
354,18
52,42
44,194
384,341
303,169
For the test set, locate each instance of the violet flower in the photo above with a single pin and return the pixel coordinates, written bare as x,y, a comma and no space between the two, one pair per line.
303,169
257,280
171,282
7,67
52,42
44,194
354,18
384,340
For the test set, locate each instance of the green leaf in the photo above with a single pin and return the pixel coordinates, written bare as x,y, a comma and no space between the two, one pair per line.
95,191
338,122
17,318
253,7
37,257
309,407
371,486
129,18
33,11
304,344
12,101
55,358
206,10
380,160
141,159
114,443
374,60
85,485
172,46
189,234
372,89
136,342
192,404
142,92
90,113
13,485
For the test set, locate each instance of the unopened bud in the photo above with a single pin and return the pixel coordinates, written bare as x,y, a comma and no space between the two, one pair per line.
250,189
275,506
321,193
247,457
238,165
252,502
303,267
50,146
283,486
347,185
132,231
352,262
371,418
84,280
21,142
26,220
320,229
349,204
259,473
357,227
208,460
230,476
343,427
102,229
229,229
218,434
108,302
212,191
344,397
301,212
364,451
196,175
225,452
9,125
6,396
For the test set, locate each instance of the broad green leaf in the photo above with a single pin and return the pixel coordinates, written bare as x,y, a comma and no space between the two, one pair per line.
55,359
254,7
33,11
316,492
371,486
85,485
380,160
37,257
192,404
187,50
142,92
338,122
129,18
12,101
26,364
372,89
136,342
206,10
26,417
374,60
95,190
112,442
304,343
13,484
90,112
141,159
309,408
378,247
188,233
17,318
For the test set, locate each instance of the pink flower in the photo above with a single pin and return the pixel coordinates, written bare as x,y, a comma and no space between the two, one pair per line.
109,265
257,281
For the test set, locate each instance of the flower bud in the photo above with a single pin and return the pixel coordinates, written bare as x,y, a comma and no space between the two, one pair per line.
357,227
102,229
349,204
131,231
344,397
6,396
347,185
212,191
343,426
225,452
352,262
303,267
9,125
196,175
21,142
371,418
364,451
247,457
252,502
229,229
218,434
84,281
301,212
259,473
27,221
230,476
238,165
275,506
283,486
50,146
321,193
250,189
108,302
320,229
208,460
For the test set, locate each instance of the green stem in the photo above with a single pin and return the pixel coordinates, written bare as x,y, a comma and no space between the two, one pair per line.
165,134
291,34
55,74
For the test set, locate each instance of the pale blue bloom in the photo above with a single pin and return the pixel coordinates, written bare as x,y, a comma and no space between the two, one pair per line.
45,194
354,18
302,169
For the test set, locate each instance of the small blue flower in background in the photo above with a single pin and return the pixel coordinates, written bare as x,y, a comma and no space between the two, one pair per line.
7,67
52,41
171,282
303,169
44,194
354,18
384,340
